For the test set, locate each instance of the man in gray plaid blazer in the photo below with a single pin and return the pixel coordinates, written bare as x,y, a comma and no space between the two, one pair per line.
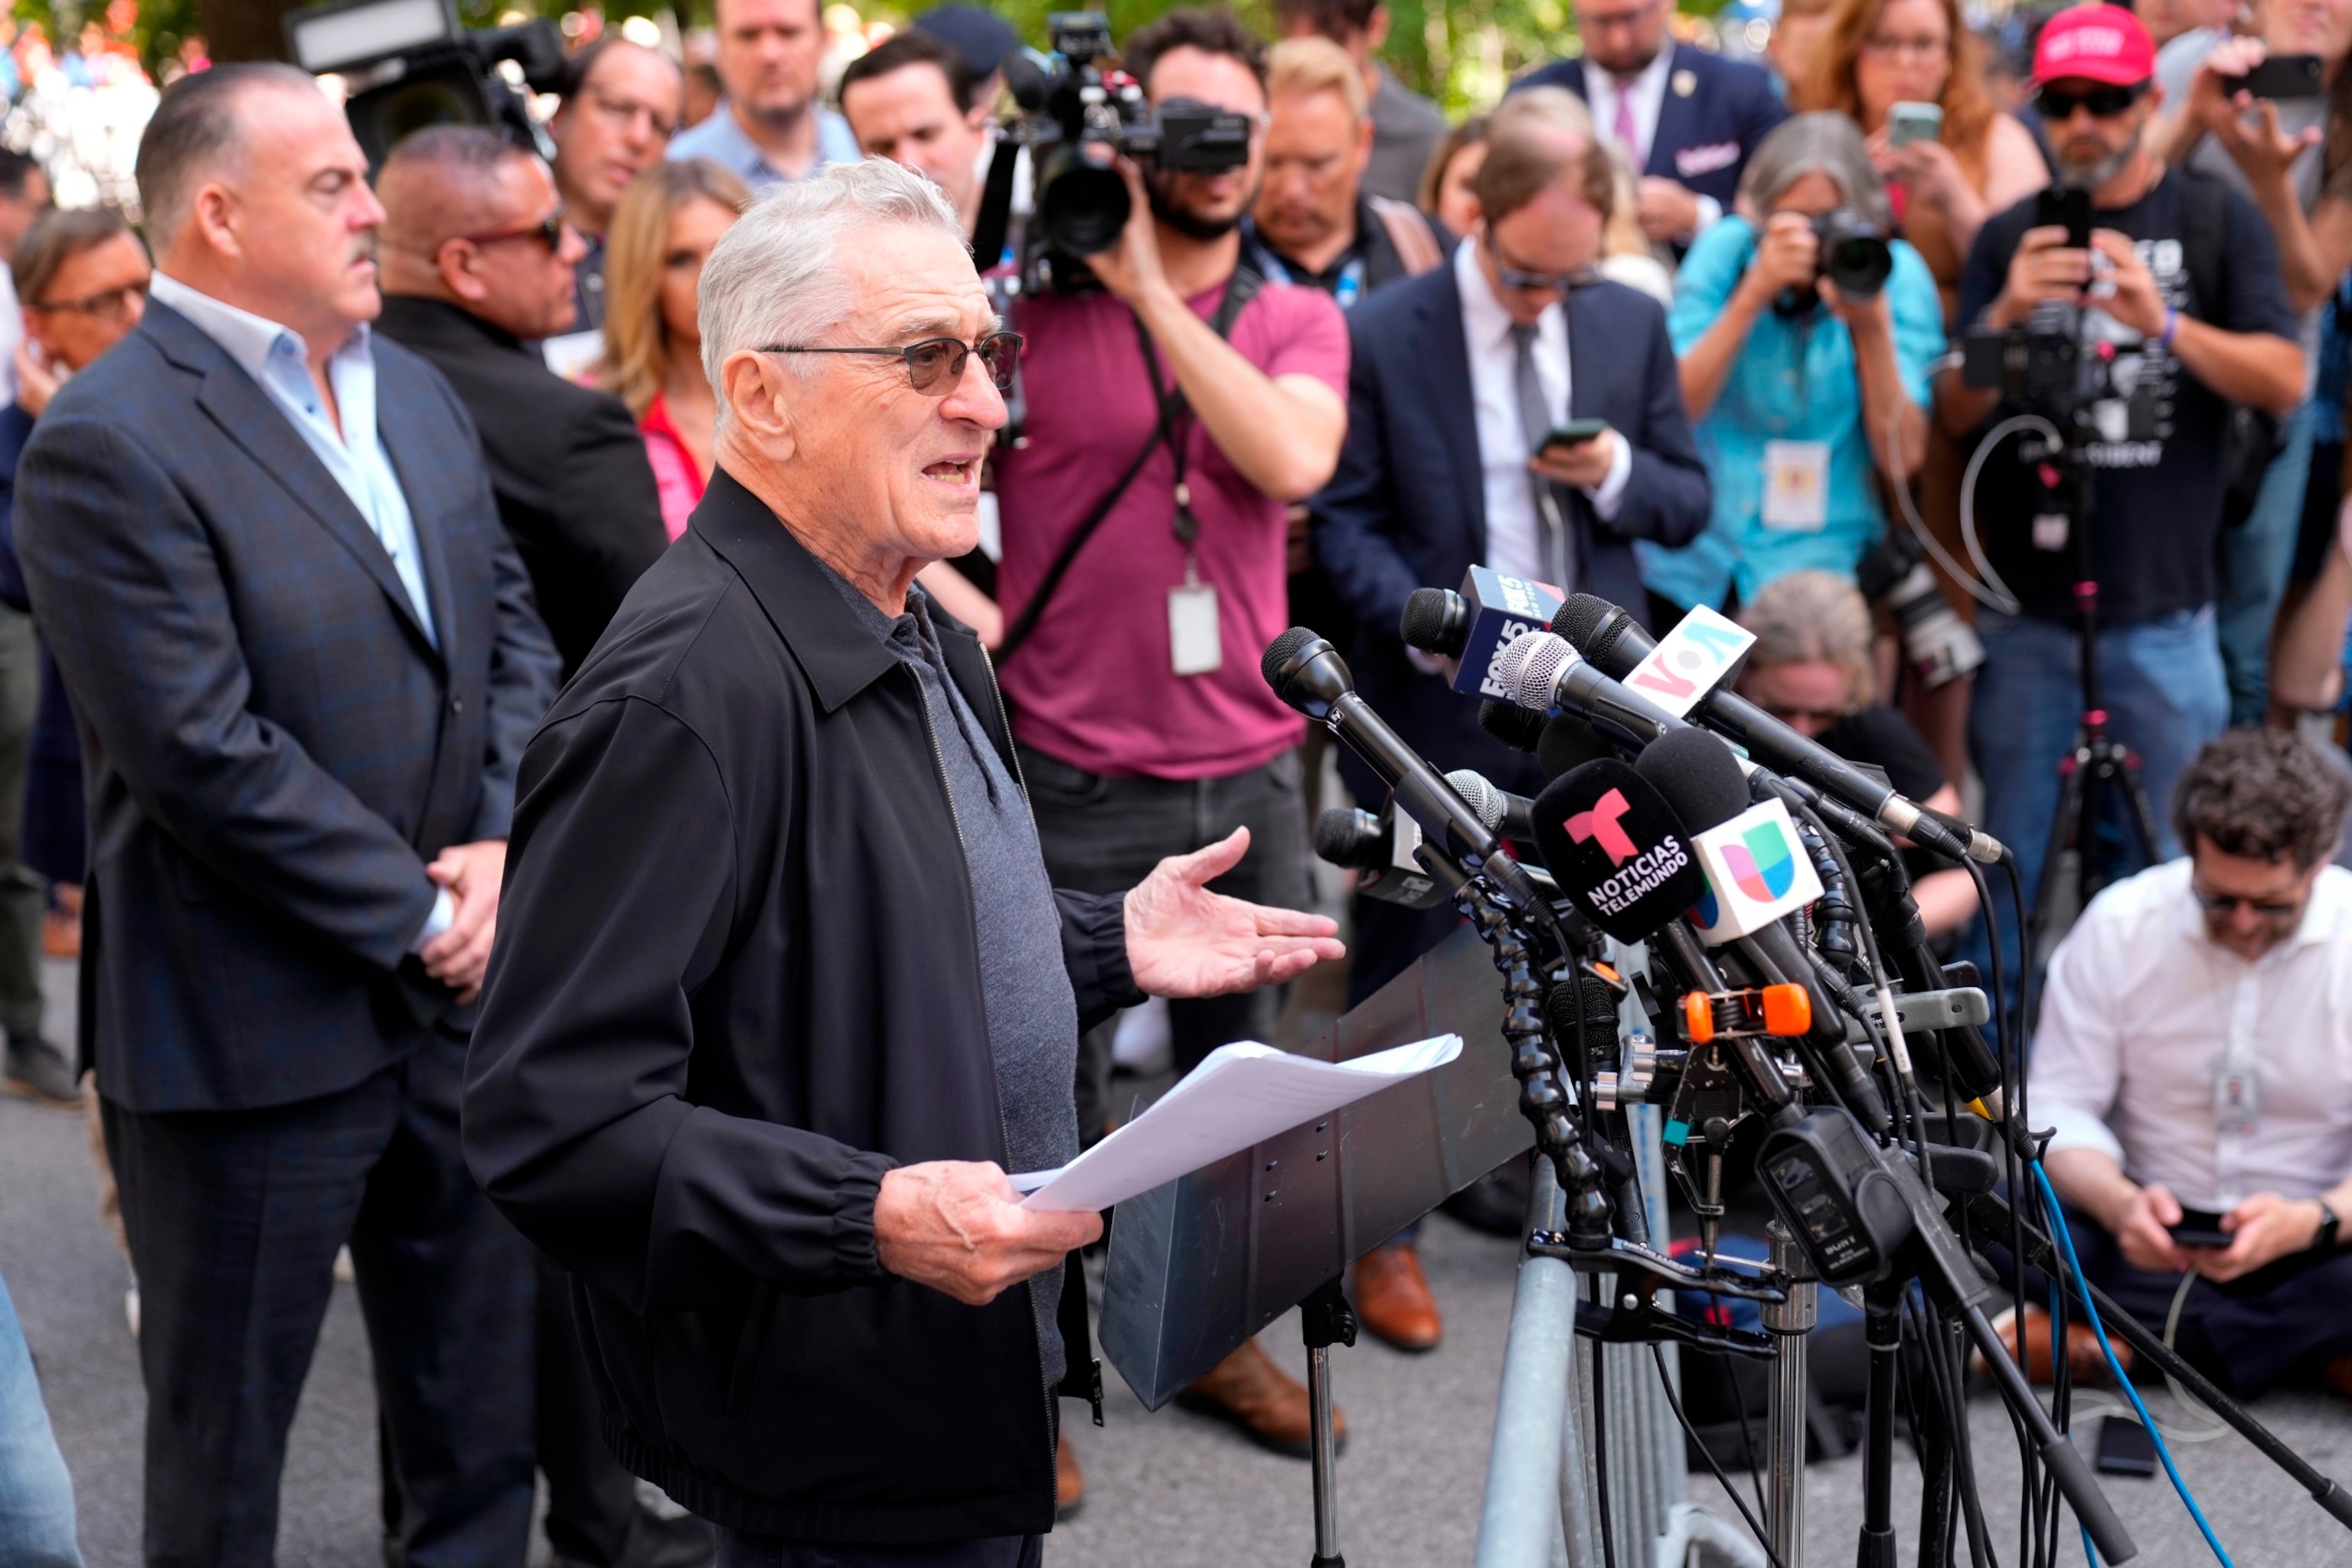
263,547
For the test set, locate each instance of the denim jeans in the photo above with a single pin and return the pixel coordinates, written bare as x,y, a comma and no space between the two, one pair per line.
2161,684
2255,557
36,1505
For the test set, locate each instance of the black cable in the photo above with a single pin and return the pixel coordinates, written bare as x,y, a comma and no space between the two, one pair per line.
1659,1356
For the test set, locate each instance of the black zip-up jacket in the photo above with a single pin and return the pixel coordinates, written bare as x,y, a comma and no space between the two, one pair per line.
736,980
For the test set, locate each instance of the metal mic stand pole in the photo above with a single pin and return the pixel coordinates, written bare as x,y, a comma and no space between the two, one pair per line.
1784,1423
1325,1320
1883,1325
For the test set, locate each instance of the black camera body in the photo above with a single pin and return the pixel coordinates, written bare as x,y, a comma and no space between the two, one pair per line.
1077,117
1853,254
2060,364
407,65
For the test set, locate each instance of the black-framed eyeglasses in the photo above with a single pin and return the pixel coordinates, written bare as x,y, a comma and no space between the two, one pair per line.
935,364
548,231
106,305
2057,105
2227,904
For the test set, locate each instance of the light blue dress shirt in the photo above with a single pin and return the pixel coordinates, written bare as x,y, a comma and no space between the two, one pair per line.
721,140
275,357
1794,381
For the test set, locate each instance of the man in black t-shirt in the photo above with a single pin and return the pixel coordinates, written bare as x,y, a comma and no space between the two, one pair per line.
2180,294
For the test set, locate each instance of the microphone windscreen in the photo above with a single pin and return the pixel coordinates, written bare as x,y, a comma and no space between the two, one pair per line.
1617,849
1567,742
1697,775
1433,621
1512,724
1580,616
1528,669
1280,651
1485,801
1350,837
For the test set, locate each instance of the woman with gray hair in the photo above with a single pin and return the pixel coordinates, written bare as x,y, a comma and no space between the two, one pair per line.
1799,386
1815,669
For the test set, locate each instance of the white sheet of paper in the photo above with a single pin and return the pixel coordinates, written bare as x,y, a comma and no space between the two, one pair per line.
1241,1095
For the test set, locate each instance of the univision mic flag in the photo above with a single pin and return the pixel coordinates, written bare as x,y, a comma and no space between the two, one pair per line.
1755,872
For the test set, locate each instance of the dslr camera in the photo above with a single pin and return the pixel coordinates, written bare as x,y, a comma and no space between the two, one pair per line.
1077,116
407,65
1854,255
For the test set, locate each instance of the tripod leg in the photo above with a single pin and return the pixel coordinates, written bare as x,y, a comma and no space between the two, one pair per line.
1884,1327
1790,1322
2065,828
1325,1320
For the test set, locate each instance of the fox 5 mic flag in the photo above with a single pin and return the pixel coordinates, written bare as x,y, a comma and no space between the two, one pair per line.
1757,871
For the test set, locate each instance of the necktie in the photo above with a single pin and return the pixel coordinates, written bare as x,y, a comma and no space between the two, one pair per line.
1535,421
1628,136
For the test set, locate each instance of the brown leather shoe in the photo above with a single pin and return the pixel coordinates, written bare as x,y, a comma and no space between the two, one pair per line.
1266,1402
2084,1362
1393,1298
1069,1486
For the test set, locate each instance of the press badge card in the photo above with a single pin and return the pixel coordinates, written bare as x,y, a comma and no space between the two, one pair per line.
1193,648
1797,486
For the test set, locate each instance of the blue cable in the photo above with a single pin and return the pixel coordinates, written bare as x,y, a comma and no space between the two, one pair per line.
2067,1245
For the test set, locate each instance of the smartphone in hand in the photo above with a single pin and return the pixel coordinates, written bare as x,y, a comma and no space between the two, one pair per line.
2282,76
1575,433
1909,122
2068,207
2199,1227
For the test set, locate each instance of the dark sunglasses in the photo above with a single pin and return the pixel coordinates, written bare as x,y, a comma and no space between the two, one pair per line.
548,231
936,364
2224,904
1515,278
2104,102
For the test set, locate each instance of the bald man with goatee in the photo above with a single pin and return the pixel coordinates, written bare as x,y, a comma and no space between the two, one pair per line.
478,266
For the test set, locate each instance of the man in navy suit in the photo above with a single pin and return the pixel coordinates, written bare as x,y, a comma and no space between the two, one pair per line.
263,546
1456,376
1686,118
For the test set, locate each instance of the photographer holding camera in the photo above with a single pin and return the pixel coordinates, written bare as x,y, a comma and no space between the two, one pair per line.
2176,304
1802,289
1144,540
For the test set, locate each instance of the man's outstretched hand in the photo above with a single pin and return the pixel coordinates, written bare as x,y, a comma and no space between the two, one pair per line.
959,1227
1185,940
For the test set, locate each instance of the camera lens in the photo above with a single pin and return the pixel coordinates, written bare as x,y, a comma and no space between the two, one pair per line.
1082,205
1859,266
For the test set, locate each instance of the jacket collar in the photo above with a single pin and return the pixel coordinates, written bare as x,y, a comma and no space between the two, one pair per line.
841,654
413,318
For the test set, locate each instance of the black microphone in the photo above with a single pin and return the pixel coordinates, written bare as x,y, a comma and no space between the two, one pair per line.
1616,849
1505,814
1307,673
1511,724
1697,776
1615,642
1380,850
1474,626
1567,742
1542,671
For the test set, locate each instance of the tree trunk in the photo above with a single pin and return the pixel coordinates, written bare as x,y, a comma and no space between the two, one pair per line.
244,29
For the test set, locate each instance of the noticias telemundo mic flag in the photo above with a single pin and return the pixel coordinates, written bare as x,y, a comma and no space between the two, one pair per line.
1757,871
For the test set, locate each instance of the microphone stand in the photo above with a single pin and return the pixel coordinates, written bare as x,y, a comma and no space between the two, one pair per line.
1325,1319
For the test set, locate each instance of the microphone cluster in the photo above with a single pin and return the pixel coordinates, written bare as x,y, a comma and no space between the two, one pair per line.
1783,953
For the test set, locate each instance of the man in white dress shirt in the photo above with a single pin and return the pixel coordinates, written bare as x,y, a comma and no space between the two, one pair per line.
2195,1056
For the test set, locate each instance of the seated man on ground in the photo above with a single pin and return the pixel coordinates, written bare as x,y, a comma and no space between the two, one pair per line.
2193,1056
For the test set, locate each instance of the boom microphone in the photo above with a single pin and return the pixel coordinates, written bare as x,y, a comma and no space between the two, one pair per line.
1476,624
1541,671
1616,849
1613,641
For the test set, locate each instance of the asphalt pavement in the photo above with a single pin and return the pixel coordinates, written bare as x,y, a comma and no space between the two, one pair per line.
1168,1489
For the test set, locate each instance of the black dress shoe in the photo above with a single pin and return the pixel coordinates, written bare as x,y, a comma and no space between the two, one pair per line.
1496,1203
684,1542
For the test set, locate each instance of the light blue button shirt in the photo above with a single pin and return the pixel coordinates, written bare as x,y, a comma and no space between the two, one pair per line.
275,357
722,141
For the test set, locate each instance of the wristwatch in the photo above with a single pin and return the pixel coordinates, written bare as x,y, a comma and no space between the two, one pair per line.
2324,1240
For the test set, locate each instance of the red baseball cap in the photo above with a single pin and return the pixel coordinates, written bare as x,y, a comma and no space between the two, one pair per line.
2095,43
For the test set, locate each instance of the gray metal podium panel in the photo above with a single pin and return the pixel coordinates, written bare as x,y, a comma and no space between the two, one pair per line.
1199,1265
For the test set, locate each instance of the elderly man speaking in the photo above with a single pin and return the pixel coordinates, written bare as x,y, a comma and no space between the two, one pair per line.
781,991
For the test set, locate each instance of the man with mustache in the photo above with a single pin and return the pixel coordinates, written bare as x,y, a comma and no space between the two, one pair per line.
1132,662
2179,292
262,545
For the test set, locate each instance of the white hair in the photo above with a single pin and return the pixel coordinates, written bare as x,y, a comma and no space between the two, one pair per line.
772,279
